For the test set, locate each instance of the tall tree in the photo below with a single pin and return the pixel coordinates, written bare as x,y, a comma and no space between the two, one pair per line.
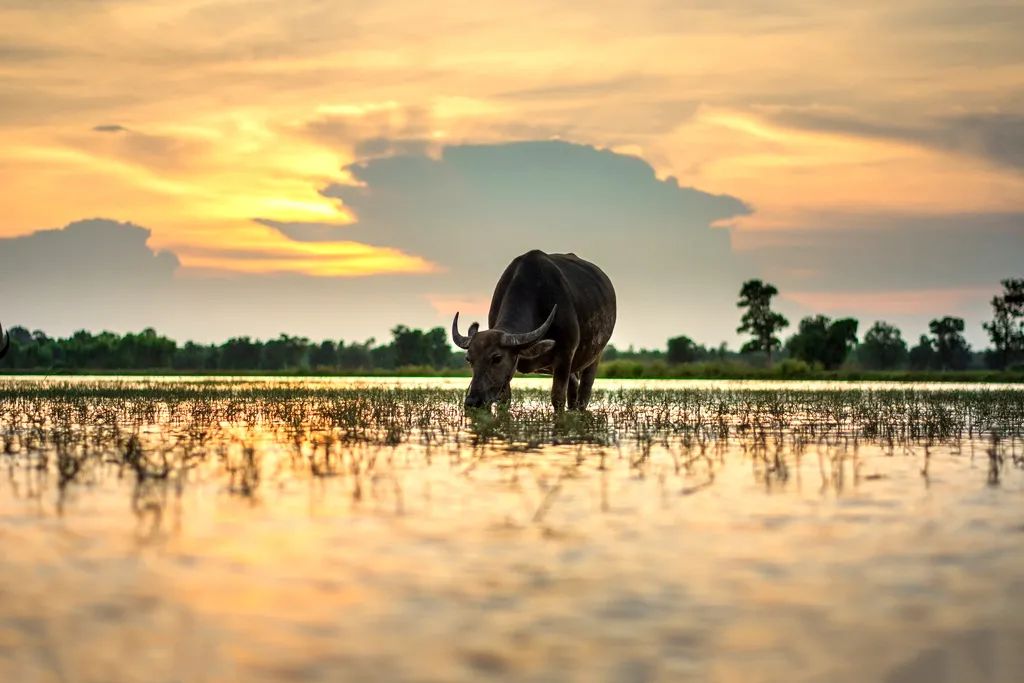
922,356
823,341
760,320
1007,327
951,349
883,347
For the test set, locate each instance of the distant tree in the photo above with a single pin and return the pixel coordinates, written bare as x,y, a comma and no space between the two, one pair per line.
883,347
439,353
383,357
14,354
820,340
285,352
951,349
760,320
1006,330
416,347
150,350
194,356
240,353
147,349
324,356
610,353
356,356
682,350
410,346
842,340
922,356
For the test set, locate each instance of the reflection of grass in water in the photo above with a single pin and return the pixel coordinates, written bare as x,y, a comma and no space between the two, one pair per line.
162,434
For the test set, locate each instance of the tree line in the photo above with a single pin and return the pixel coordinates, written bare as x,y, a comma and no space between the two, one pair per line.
149,350
819,342
829,343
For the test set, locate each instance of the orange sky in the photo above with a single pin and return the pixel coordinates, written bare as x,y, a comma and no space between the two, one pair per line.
192,117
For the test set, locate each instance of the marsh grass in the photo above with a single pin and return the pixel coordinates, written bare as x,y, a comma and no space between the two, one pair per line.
161,436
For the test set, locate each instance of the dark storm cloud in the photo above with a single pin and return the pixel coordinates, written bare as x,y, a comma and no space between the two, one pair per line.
110,128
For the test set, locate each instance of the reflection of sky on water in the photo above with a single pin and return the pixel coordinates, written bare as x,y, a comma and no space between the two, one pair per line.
566,562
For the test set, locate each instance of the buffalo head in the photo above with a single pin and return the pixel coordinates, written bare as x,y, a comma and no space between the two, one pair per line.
494,355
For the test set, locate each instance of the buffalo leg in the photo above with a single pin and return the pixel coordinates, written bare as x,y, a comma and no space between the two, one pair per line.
587,376
573,390
559,386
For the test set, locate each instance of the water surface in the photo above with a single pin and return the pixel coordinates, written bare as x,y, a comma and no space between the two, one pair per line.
308,534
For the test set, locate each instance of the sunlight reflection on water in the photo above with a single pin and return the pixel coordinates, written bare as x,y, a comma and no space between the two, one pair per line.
564,562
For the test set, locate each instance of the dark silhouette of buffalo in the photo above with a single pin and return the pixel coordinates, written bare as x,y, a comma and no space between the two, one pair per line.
551,314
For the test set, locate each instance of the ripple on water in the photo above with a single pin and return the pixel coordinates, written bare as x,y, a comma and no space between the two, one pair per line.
302,531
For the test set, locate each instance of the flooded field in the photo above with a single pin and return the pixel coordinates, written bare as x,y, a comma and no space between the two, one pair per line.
329,530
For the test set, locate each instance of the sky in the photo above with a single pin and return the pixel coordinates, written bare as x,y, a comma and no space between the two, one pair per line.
330,169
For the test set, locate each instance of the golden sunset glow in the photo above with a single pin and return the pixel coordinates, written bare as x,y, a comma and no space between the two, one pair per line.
193,119
214,117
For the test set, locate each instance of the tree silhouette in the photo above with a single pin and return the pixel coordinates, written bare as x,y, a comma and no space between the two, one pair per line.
922,356
951,349
883,347
760,320
820,340
682,350
1006,330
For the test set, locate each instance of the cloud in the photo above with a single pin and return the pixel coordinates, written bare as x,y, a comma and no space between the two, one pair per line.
906,269
106,251
15,53
878,252
305,231
94,268
101,274
466,214
995,137
475,207
385,147
147,149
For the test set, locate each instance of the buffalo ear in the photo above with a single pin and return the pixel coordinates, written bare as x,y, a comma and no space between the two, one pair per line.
537,349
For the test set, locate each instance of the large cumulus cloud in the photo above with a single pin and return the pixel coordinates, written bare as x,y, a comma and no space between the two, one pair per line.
475,207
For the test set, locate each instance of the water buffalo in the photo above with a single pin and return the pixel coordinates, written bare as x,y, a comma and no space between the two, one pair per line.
551,314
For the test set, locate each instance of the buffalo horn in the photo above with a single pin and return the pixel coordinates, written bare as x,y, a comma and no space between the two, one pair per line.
460,341
520,340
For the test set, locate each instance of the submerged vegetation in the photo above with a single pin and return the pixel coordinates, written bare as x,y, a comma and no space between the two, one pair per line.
170,431
271,521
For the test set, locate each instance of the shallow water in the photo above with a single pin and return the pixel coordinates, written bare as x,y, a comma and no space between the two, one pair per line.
622,557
